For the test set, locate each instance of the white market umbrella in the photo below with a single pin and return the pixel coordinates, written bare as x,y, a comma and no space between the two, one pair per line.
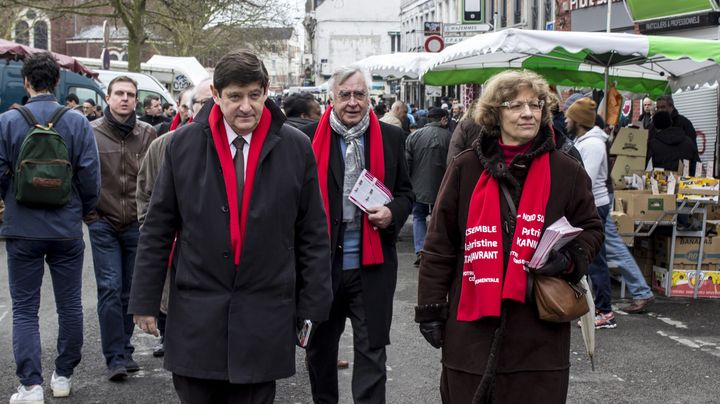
587,322
400,64
637,63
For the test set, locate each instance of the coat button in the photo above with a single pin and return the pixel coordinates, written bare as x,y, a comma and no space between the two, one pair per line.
224,209
226,255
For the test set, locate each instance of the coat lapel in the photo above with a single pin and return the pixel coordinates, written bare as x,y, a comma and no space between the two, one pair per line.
337,166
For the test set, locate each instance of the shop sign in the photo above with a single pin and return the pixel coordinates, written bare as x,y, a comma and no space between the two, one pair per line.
678,23
642,10
580,4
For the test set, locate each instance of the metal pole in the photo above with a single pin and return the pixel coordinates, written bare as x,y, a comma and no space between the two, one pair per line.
607,66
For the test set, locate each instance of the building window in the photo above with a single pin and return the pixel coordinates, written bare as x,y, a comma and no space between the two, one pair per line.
549,15
517,15
503,14
534,14
22,33
39,35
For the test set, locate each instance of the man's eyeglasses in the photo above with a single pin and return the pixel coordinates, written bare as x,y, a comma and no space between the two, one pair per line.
345,95
519,106
202,102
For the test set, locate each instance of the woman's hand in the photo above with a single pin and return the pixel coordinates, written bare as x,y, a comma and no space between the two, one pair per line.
434,332
559,263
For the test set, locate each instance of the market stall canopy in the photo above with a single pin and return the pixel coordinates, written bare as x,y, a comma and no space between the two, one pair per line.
193,71
400,64
16,51
638,63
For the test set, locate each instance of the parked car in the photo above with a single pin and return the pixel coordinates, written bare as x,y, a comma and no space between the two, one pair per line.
12,90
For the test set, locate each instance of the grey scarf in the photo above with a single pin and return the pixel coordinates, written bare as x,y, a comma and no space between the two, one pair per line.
354,160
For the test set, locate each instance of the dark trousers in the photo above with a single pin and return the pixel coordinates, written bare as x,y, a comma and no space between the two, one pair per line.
599,272
25,274
114,259
369,373
540,387
191,390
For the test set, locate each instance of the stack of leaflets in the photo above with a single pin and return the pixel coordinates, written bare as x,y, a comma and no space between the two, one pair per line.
369,192
555,237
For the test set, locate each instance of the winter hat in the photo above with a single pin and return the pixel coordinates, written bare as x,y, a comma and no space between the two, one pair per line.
662,120
436,112
582,112
571,99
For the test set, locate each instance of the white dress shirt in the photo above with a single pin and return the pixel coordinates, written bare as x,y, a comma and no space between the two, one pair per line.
231,135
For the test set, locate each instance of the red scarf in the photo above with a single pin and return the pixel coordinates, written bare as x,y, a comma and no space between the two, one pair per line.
483,286
217,127
371,248
176,122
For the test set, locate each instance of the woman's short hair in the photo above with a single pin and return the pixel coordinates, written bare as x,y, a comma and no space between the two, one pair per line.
505,86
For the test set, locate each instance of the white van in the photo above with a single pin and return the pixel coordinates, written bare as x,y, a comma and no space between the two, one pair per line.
147,85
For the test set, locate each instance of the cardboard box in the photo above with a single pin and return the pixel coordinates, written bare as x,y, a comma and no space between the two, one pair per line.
687,250
643,205
625,224
682,283
626,166
630,142
696,188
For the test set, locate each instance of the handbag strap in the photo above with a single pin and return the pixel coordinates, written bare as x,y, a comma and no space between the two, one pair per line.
509,200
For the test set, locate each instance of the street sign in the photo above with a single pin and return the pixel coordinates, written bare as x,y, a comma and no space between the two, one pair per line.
452,40
550,26
466,28
434,43
433,28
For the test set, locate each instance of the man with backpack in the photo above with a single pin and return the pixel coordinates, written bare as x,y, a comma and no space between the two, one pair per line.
45,204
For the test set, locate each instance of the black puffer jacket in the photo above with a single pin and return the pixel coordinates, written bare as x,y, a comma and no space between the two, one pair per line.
671,145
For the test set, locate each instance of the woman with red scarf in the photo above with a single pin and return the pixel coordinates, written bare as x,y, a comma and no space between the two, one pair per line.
474,298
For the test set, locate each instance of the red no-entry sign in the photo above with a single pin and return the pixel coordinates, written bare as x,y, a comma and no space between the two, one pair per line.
434,43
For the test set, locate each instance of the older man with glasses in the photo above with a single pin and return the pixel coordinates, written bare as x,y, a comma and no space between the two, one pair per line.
348,139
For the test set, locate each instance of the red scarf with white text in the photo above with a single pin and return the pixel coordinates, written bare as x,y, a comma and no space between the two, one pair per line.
484,285
238,215
371,249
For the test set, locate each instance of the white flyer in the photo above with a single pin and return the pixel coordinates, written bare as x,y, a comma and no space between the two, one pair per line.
369,192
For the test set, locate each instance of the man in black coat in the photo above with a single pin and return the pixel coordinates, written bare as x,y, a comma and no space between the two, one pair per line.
239,191
666,103
347,139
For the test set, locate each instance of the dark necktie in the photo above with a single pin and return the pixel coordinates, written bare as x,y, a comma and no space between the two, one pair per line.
239,161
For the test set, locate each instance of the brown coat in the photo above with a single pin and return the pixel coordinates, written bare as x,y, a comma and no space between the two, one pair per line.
529,343
120,159
463,137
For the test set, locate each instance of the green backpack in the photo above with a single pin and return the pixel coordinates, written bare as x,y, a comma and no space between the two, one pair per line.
43,174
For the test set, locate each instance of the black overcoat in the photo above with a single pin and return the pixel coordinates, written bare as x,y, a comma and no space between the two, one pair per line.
229,323
378,281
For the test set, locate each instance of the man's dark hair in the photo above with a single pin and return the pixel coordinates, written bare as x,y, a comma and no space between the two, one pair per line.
241,68
662,120
166,106
72,97
147,102
90,101
666,98
298,104
119,79
42,72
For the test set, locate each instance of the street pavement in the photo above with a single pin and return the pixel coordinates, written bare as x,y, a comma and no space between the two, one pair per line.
670,354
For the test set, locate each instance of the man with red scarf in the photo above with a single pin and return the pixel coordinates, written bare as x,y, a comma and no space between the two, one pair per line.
348,139
239,189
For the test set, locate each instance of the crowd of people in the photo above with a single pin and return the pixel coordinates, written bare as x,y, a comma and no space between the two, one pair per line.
241,207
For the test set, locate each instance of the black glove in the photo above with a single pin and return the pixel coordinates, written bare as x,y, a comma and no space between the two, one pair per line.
559,263
433,331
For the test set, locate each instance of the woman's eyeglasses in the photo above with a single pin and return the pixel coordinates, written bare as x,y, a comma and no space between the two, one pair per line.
519,106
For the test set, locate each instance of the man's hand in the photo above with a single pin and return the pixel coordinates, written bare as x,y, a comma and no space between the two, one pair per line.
380,217
147,324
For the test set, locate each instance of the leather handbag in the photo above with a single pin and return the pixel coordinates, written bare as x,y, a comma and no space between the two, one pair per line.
558,300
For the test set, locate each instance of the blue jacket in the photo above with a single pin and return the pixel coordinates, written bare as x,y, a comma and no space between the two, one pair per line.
65,222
